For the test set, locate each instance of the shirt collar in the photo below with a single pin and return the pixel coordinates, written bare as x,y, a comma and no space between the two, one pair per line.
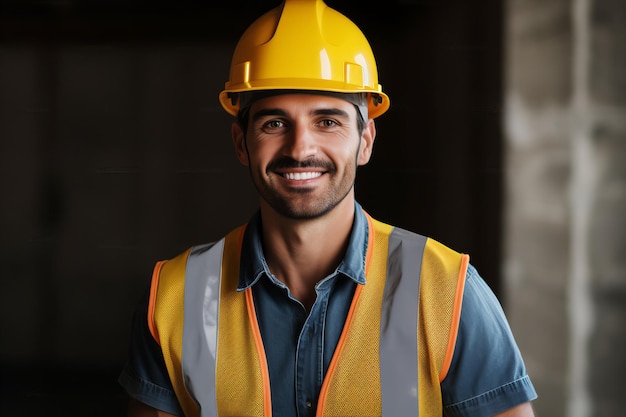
253,264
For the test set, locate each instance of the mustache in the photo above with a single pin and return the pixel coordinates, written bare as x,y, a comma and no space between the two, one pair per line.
289,163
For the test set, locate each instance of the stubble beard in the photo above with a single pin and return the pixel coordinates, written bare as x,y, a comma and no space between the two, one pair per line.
300,203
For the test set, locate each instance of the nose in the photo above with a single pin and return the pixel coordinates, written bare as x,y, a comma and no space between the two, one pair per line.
301,143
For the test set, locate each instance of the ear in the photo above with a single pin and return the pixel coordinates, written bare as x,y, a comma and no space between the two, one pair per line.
367,142
239,141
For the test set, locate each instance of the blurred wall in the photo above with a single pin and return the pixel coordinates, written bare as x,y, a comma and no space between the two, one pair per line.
565,200
115,153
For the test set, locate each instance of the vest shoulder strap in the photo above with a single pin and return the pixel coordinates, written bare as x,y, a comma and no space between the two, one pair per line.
440,300
165,318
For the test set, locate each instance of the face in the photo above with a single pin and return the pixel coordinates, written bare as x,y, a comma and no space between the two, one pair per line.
303,152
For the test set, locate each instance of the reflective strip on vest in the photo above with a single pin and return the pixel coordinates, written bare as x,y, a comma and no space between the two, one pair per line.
398,325
201,318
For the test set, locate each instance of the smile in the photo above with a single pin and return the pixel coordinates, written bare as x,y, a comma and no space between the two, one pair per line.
301,175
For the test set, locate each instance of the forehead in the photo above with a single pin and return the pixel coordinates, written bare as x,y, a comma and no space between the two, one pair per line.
293,104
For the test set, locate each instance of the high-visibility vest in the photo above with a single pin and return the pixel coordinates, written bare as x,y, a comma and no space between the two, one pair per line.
391,357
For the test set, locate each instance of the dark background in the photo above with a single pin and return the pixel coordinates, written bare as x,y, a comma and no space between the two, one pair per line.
115,153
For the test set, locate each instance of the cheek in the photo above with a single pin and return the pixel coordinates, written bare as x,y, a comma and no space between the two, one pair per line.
342,157
260,156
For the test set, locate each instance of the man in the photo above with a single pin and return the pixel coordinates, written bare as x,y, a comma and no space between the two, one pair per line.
314,307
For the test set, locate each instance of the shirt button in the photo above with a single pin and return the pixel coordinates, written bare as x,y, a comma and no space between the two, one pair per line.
309,404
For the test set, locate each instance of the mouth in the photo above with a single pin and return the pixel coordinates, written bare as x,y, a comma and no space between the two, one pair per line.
300,176
295,171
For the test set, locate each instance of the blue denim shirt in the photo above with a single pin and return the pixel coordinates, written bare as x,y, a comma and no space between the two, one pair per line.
487,374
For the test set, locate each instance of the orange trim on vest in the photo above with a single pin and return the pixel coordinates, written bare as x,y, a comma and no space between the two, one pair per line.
240,381
258,341
347,325
456,317
338,350
352,385
152,300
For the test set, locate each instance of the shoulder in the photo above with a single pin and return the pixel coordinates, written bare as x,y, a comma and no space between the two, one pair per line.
487,373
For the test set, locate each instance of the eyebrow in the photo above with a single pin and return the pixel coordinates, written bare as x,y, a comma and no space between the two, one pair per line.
331,112
268,112
318,112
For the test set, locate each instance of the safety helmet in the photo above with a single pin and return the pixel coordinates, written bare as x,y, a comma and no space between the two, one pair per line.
304,45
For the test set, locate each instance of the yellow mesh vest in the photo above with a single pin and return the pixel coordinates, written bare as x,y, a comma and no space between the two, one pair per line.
352,385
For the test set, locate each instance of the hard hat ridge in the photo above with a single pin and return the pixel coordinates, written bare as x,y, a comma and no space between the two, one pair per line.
304,45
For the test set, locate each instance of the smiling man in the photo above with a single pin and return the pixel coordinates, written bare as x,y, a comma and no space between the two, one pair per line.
314,308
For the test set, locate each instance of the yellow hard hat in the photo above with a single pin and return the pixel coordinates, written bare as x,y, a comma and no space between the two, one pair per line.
304,45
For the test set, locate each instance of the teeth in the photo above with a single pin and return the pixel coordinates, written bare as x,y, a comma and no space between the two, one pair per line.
302,175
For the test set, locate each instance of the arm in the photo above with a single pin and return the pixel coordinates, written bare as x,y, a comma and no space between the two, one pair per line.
522,410
138,409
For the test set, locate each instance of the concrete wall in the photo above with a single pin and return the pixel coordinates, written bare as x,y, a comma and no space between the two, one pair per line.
565,229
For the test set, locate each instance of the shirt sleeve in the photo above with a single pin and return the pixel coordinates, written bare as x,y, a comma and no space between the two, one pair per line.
145,376
487,374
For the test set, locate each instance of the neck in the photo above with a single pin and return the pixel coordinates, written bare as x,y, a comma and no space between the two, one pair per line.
300,253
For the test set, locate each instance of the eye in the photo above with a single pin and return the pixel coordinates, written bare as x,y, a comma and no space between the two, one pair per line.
328,123
273,124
